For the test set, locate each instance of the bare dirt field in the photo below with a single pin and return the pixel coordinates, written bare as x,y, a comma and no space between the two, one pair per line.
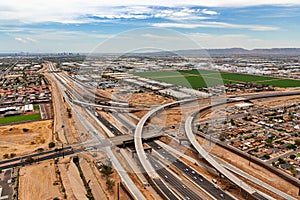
25,138
279,101
71,179
148,99
170,117
38,182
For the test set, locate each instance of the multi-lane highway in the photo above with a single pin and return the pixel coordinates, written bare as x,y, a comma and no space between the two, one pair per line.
184,191
149,164
136,193
193,175
248,189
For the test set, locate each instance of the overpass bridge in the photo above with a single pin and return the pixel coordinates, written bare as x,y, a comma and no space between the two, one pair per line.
129,138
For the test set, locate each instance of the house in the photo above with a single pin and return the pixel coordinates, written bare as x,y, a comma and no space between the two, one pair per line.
28,108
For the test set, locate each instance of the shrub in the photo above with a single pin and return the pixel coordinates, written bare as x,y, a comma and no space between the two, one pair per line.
281,161
51,145
6,156
25,129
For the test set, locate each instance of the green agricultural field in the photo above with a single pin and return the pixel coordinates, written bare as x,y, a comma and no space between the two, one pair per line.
204,78
11,119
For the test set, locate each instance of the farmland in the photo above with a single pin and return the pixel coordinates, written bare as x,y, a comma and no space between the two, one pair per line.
207,78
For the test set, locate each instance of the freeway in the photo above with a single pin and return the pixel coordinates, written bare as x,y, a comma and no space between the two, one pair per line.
241,153
248,189
138,139
90,91
231,168
181,188
106,123
80,98
105,106
137,194
197,178
138,143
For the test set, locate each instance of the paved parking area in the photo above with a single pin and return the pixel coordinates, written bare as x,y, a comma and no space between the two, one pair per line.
46,111
6,188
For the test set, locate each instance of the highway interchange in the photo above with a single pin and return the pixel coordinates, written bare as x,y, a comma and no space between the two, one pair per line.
159,175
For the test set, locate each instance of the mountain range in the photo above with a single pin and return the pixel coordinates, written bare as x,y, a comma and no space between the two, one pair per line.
241,51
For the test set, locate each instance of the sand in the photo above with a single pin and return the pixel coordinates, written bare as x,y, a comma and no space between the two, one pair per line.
13,139
37,182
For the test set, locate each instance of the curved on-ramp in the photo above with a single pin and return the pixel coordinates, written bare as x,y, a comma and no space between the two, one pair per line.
138,143
189,132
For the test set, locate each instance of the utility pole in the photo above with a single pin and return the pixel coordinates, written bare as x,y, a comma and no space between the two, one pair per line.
249,159
62,148
119,191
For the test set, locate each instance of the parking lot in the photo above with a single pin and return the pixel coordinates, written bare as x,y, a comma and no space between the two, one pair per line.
6,182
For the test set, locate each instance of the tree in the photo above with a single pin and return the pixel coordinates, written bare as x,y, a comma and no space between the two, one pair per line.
40,149
6,156
297,141
291,146
51,145
267,156
232,122
110,184
281,161
106,170
293,156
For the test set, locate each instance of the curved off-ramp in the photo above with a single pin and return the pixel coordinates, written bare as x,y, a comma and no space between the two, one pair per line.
189,132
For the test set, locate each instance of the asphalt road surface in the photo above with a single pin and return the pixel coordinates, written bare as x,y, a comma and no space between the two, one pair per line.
208,186
6,190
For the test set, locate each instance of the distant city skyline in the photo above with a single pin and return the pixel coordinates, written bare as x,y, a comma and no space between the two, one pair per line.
78,25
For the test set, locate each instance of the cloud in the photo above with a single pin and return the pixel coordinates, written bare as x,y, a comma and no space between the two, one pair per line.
209,12
63,12
238,40
82,11
25,39
32,35
215,25
181,14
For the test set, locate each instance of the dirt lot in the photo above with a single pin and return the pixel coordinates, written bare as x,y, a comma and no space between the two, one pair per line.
274,102
71,179
148,99
37,182
25,138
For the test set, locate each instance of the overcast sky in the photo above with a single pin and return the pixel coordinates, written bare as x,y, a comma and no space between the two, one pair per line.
81,25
